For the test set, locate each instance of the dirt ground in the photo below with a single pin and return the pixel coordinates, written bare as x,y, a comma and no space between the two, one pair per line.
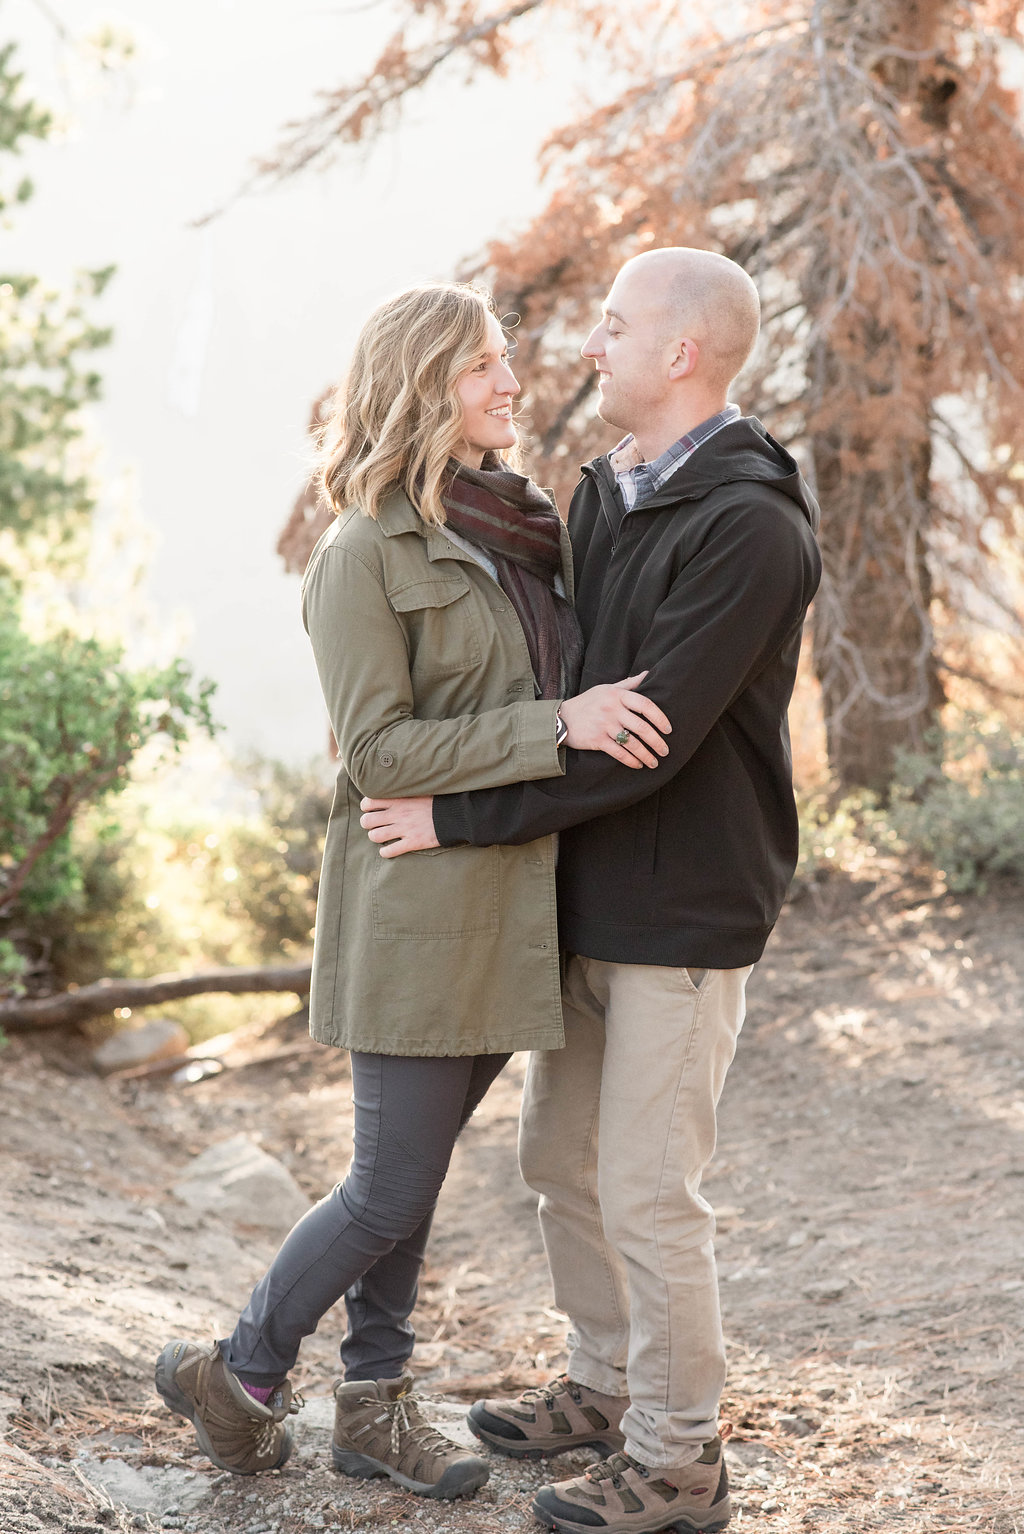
869,1186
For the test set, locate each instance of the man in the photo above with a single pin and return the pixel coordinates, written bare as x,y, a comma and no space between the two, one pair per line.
695,560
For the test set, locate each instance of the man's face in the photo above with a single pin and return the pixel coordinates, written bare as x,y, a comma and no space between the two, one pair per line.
632,349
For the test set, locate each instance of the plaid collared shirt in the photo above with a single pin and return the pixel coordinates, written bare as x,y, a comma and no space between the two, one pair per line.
637,480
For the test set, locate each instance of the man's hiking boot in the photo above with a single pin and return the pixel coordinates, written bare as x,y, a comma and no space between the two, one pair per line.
379,1430
621,1496
236,1431
562,1415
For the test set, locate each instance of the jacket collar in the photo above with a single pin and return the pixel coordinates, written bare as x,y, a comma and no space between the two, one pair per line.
398,515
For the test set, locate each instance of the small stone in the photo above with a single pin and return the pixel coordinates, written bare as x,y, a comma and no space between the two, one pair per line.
238,1181
156,1039
769,1507
797,1427
826,1289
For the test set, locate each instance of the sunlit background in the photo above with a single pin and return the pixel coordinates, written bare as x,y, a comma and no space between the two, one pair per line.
225,334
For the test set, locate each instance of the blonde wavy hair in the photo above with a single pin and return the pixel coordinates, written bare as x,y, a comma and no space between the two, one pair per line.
397,419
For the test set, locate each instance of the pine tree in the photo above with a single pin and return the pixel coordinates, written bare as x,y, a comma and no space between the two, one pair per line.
72,715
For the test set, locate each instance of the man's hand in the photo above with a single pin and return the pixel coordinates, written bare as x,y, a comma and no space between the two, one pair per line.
403,825
596,717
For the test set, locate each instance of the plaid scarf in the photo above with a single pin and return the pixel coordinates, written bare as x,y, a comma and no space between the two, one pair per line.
512,520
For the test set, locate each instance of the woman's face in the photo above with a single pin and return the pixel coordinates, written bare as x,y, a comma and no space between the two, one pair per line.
486,391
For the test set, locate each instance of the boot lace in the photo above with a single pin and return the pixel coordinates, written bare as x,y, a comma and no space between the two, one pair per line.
613,1469
407,1421
264,1431
563,1385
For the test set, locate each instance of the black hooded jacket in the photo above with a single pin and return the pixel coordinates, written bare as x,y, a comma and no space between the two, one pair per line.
704,586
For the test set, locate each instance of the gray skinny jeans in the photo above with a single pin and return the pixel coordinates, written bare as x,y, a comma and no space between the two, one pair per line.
367,1238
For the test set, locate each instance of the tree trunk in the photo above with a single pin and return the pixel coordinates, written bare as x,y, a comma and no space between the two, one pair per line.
873,642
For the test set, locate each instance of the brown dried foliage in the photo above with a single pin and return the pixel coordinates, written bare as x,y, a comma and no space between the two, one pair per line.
865,163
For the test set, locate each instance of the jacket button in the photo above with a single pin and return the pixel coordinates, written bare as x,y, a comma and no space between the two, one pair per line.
386,759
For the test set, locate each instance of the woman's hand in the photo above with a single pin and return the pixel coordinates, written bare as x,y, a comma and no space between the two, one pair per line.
403,825
594,718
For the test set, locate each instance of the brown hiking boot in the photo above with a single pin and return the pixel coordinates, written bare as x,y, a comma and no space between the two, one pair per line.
379,1430
233,1429
621,1496
562,1415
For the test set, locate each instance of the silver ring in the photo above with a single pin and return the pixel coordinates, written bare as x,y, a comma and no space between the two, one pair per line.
622,738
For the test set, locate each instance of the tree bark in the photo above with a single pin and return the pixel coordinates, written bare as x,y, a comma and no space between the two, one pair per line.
70,1007
874,650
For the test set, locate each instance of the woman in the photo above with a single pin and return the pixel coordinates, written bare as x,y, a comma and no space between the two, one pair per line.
439,611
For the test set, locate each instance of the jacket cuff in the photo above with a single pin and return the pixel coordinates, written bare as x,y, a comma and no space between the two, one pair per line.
539,755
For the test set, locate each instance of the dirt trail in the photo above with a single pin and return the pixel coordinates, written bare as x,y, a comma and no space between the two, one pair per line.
869,1185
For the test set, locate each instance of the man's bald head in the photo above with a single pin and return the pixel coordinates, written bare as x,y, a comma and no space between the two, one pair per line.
677,326
703,296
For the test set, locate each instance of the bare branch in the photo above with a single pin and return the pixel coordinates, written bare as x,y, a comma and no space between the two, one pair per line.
107,996
359,113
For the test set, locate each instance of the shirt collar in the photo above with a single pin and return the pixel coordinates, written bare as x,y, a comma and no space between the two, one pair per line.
630,469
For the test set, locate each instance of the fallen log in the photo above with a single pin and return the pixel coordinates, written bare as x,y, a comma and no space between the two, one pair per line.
76,1006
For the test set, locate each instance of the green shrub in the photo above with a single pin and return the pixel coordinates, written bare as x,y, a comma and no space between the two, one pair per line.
967,816
277,857
959,808
170,884
845,834
73,717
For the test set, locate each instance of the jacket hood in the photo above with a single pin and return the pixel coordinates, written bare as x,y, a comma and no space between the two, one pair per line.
741,451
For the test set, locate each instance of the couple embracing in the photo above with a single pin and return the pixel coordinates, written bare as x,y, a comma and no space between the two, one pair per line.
508,696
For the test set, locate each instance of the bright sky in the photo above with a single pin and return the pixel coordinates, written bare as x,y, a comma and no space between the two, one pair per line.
225,336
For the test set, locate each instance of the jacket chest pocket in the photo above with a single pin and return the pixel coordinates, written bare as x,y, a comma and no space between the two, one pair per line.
441,627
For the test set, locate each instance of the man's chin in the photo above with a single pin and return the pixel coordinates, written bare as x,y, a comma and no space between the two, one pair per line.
607,412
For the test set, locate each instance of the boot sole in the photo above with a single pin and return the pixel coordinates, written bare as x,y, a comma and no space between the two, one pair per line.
543,1450
457,1481
175,1399
710,1522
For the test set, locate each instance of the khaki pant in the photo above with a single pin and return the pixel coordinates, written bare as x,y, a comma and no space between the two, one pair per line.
617,1129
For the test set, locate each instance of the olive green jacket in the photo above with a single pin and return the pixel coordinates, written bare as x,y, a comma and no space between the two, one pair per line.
428,683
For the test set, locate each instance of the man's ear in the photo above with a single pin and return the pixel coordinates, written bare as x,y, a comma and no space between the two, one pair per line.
685,359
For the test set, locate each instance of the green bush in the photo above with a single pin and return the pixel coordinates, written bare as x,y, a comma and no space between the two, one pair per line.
163,887
967,815
958,806
72,719
840,835
277,857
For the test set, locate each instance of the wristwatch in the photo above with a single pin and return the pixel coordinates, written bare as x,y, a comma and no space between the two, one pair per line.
561,730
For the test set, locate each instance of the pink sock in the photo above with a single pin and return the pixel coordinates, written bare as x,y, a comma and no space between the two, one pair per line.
261,1393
